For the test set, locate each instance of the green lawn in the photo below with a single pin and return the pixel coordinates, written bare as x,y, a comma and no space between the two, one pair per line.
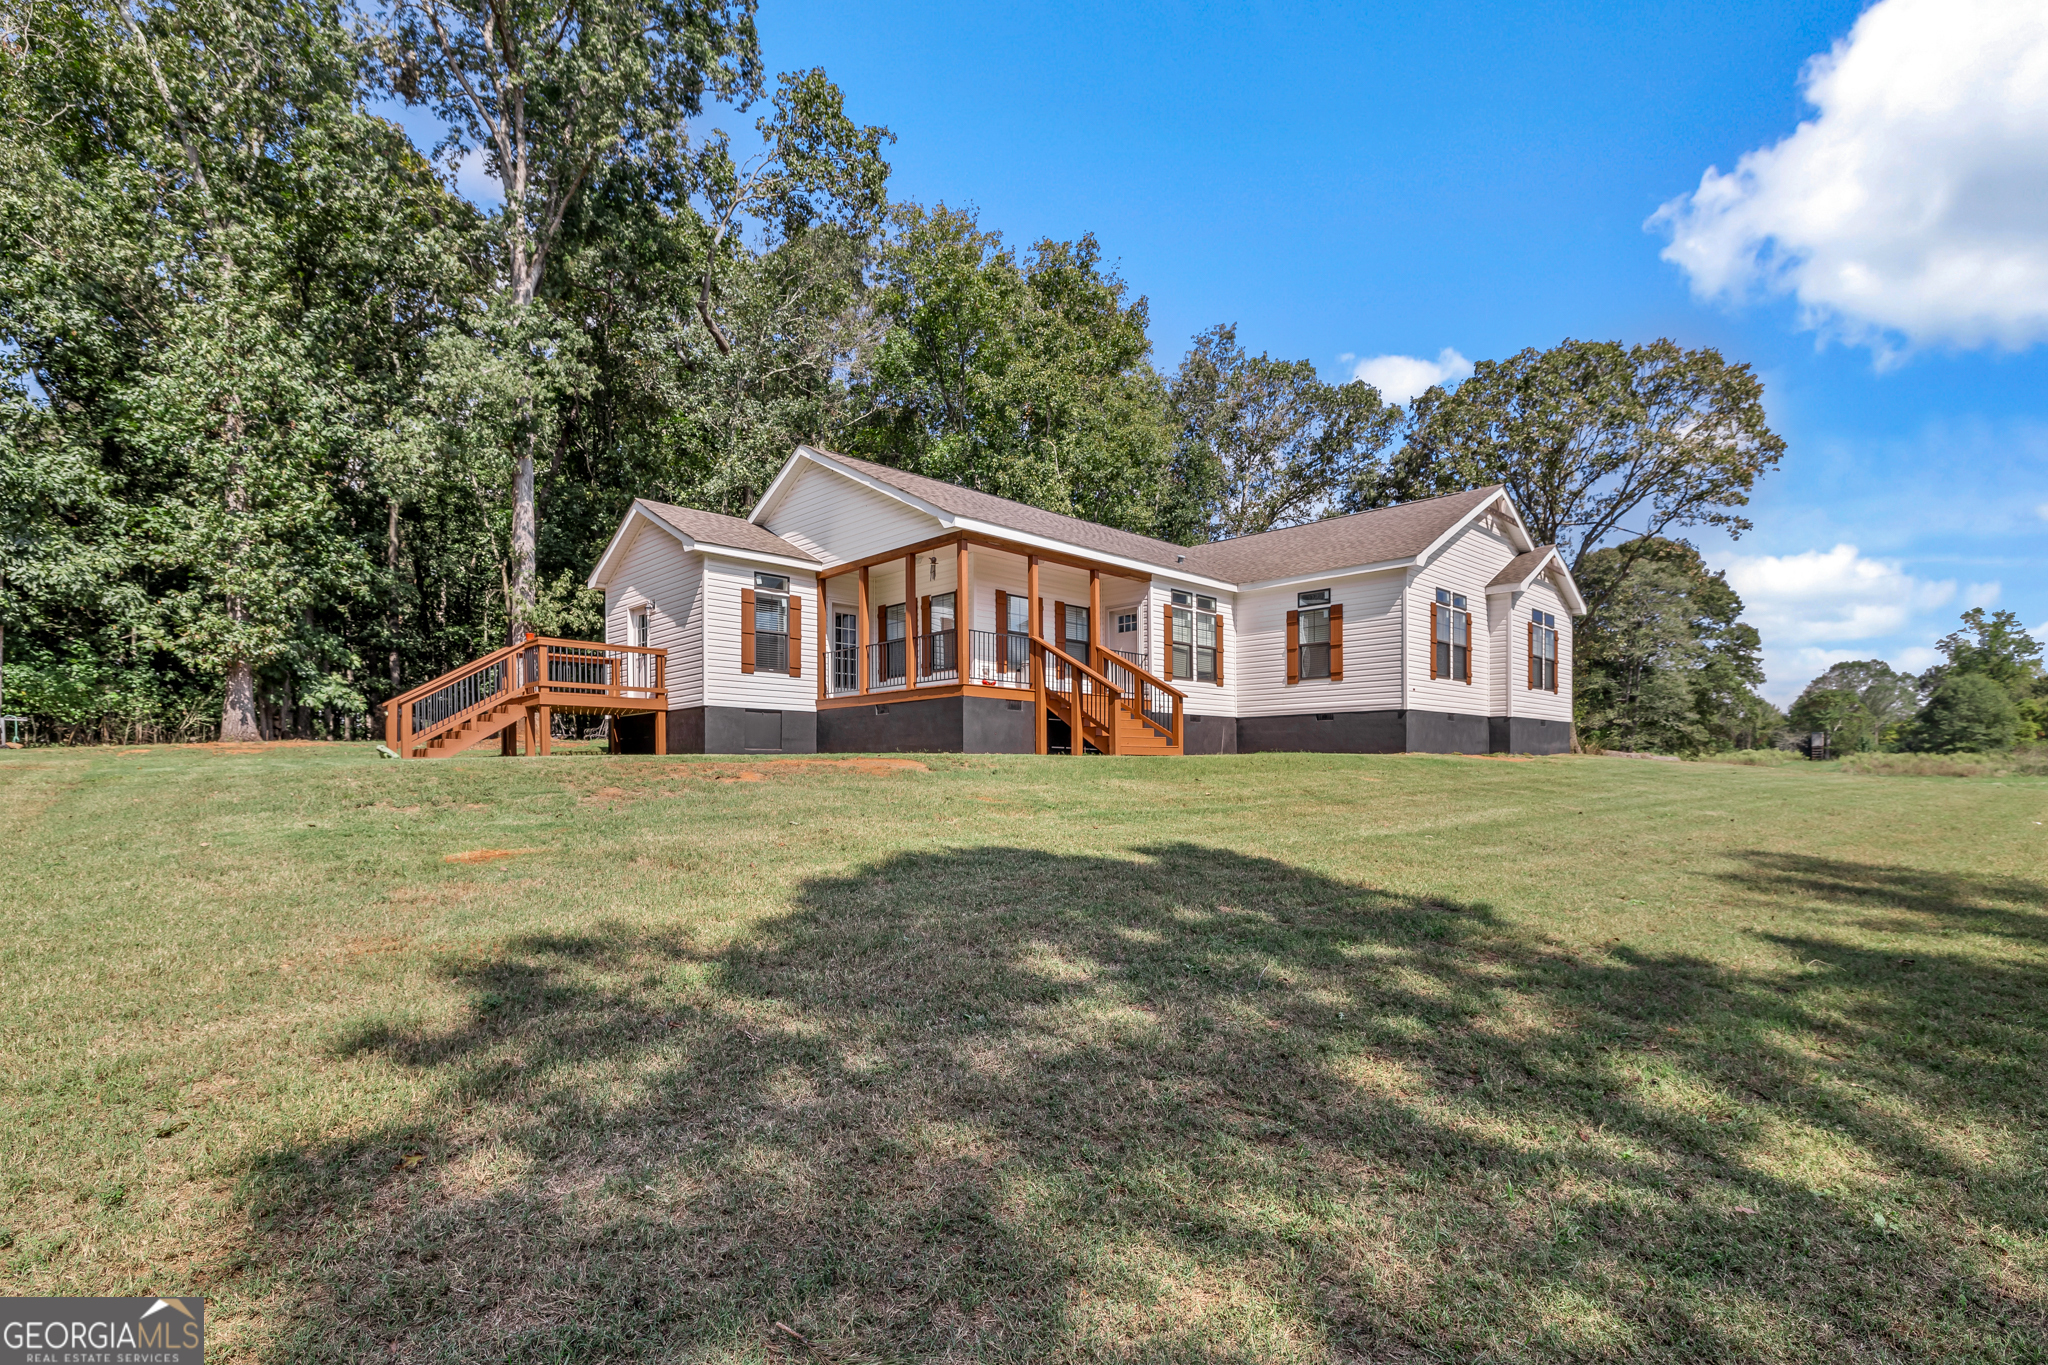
1277,1058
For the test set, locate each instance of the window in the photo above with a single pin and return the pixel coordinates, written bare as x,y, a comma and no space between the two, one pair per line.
1197,635
771,630
845,651
1318,598
1315,642
1450,638
639,629
890,649
938,655
1127,623
772,582
1542,651
1078,637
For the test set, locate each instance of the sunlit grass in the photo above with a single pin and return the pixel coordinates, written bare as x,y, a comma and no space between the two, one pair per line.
1273,1058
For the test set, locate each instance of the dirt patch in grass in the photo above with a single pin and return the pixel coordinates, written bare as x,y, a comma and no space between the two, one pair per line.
485,855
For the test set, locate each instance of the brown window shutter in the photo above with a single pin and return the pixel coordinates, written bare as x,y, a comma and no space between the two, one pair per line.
1554,651
1059,625
1002,611
1293,648
1337,642
1532,656
1219,649
796,636
746,630
1432,641
1166,645
1471,650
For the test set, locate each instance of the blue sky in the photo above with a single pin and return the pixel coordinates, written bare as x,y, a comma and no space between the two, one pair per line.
1352,183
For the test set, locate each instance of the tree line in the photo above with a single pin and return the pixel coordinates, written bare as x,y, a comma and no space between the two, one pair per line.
290,425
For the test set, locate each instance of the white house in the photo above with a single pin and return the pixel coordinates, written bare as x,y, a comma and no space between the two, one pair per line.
860,608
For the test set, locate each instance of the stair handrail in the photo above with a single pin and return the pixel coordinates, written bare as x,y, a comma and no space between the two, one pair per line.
457,674
1108,691
1146,678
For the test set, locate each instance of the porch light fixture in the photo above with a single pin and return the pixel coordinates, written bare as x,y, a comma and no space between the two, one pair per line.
935,569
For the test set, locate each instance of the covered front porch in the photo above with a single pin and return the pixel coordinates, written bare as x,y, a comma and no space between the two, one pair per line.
970,616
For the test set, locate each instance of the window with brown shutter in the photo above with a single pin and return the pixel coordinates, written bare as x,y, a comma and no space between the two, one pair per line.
1432,643
1533,671
1293,648
1168,655
1450,638
1337,642
746,630
796,636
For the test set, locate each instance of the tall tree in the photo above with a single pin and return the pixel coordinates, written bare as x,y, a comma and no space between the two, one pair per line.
553,93
1670,666
1592,439
1861,703
1271,442
1025,376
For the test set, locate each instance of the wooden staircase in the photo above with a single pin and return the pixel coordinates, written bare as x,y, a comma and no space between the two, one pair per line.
1111,707
512,694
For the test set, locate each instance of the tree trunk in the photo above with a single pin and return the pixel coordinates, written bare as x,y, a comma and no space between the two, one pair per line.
391,586
519,605
238,708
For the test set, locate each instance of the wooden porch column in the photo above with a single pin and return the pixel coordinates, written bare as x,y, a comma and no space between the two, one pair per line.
1031,592
1095,618
544,730
824,639
910,640
1038,660
660,734
860,633
963,612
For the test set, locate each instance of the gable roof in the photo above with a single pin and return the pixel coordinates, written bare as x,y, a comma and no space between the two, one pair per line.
1518,573
717,529
950,500
1386,535
699,531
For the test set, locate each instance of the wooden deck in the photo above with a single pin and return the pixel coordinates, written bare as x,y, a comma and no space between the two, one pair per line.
512,694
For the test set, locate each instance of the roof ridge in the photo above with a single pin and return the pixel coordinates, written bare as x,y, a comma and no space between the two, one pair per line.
1348,516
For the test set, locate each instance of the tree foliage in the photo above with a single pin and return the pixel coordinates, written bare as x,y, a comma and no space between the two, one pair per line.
1669,667
1266,442
1027,376
1591,440
1862,704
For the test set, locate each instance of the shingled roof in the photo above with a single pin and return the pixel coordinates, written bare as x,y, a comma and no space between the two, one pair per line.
715,528
1522,568
1390,533
1377,537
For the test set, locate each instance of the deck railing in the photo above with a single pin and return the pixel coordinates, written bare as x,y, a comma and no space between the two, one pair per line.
566,673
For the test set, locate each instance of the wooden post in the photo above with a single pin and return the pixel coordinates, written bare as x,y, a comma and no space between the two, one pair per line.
860,634
910,639
824,639
661,734
963,613
544,730
1037,622
1095,619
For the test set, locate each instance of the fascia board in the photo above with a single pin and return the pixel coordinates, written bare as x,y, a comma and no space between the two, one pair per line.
805,566
1352,571
1067,547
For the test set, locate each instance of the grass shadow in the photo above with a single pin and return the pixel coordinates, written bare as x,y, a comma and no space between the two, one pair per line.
1188,1105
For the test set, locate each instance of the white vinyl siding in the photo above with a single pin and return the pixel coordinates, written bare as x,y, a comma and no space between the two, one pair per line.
1464,567
1541,596
724,684
657,574
1372,649
835,519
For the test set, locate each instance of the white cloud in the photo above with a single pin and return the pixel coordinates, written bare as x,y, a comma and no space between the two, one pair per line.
1914,204
1822,606
2042,511
1916,658
1401,377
